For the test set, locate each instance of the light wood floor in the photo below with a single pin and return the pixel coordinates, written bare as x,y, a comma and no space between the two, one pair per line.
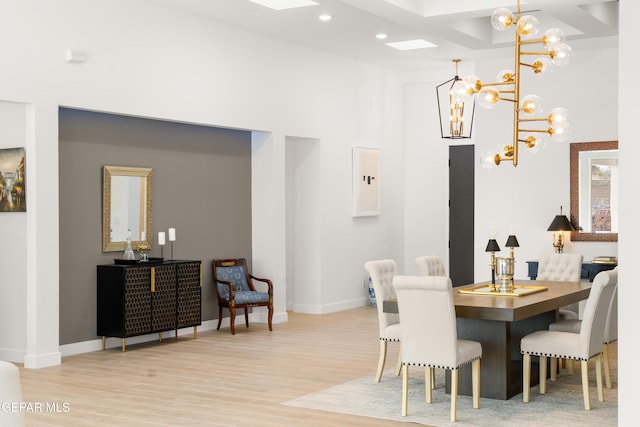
216,379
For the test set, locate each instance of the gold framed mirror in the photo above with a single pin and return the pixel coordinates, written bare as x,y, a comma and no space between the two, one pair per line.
126,207
594,191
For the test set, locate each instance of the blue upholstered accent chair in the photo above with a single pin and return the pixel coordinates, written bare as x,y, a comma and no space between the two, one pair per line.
235,289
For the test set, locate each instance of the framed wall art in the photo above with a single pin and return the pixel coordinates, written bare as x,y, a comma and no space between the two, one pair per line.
13,196
366,182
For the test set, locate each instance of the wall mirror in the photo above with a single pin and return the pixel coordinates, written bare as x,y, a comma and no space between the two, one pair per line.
594,191
126,207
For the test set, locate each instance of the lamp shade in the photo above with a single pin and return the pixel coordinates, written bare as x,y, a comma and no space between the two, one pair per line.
492,246
512,242
560,223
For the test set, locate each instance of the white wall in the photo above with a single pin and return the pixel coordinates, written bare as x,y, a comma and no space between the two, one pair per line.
160,64
164,65
13,249
629,292
527,197
524,199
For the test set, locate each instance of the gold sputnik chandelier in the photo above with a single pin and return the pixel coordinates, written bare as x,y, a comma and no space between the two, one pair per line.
530,127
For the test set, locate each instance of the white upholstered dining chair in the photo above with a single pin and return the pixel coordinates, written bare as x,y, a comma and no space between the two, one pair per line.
430,265
430,337
562,268
610,330
10,392
382,273
581,346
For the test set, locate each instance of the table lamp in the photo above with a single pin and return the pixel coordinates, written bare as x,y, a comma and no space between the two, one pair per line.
560,224
512,242
492,246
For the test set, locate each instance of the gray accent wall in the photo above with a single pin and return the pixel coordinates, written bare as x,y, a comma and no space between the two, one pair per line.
201,187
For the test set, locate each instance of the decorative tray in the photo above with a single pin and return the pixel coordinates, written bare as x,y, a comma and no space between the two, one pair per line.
518,291
122,261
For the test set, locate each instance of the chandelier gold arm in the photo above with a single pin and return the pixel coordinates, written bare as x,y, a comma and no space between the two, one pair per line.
558,52
546,53
537,119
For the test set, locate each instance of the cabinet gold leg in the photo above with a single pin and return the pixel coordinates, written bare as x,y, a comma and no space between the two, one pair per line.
195,332
104,342
160,336
124,341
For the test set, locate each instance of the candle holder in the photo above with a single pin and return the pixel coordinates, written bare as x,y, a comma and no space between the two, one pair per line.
172,238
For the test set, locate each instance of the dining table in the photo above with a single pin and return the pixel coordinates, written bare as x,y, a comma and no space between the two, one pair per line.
499,320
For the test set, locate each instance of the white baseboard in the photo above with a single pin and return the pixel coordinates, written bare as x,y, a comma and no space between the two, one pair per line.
37,361
330,308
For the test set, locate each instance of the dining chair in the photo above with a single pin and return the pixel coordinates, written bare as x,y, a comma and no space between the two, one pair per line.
10,392
610,330
430,338
382,273
430,265
582,346
562,268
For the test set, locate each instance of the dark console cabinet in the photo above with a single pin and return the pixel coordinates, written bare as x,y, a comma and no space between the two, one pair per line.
147,298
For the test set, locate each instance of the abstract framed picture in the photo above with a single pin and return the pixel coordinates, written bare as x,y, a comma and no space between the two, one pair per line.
13,196
366,182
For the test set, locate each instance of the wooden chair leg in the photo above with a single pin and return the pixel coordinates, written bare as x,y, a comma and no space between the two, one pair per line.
232,320
246,316
433,378
428,385
454,393
381,359
399,362
585,384
526,377
599,377
543,374
405,390
605,360
270,318
554,368
570,367
475,383
219,317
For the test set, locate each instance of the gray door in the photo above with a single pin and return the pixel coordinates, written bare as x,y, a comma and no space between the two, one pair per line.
461,198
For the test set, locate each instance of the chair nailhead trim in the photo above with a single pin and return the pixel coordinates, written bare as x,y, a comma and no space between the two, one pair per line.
389,339
559,356
427,365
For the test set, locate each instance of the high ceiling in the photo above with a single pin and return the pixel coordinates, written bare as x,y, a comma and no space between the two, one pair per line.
459,28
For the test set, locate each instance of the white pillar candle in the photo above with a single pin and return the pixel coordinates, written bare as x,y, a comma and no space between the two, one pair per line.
161,237
128,234
172,234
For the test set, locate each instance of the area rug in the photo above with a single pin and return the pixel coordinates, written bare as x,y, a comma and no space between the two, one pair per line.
562,405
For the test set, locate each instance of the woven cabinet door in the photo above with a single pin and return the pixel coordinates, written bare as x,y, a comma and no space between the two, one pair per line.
164,299
137,301
189,294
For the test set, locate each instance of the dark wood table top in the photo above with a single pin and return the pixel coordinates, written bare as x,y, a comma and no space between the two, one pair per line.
513,308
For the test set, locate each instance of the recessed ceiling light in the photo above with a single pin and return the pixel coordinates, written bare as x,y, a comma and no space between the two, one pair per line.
411,44
284,4
381,36
325,17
